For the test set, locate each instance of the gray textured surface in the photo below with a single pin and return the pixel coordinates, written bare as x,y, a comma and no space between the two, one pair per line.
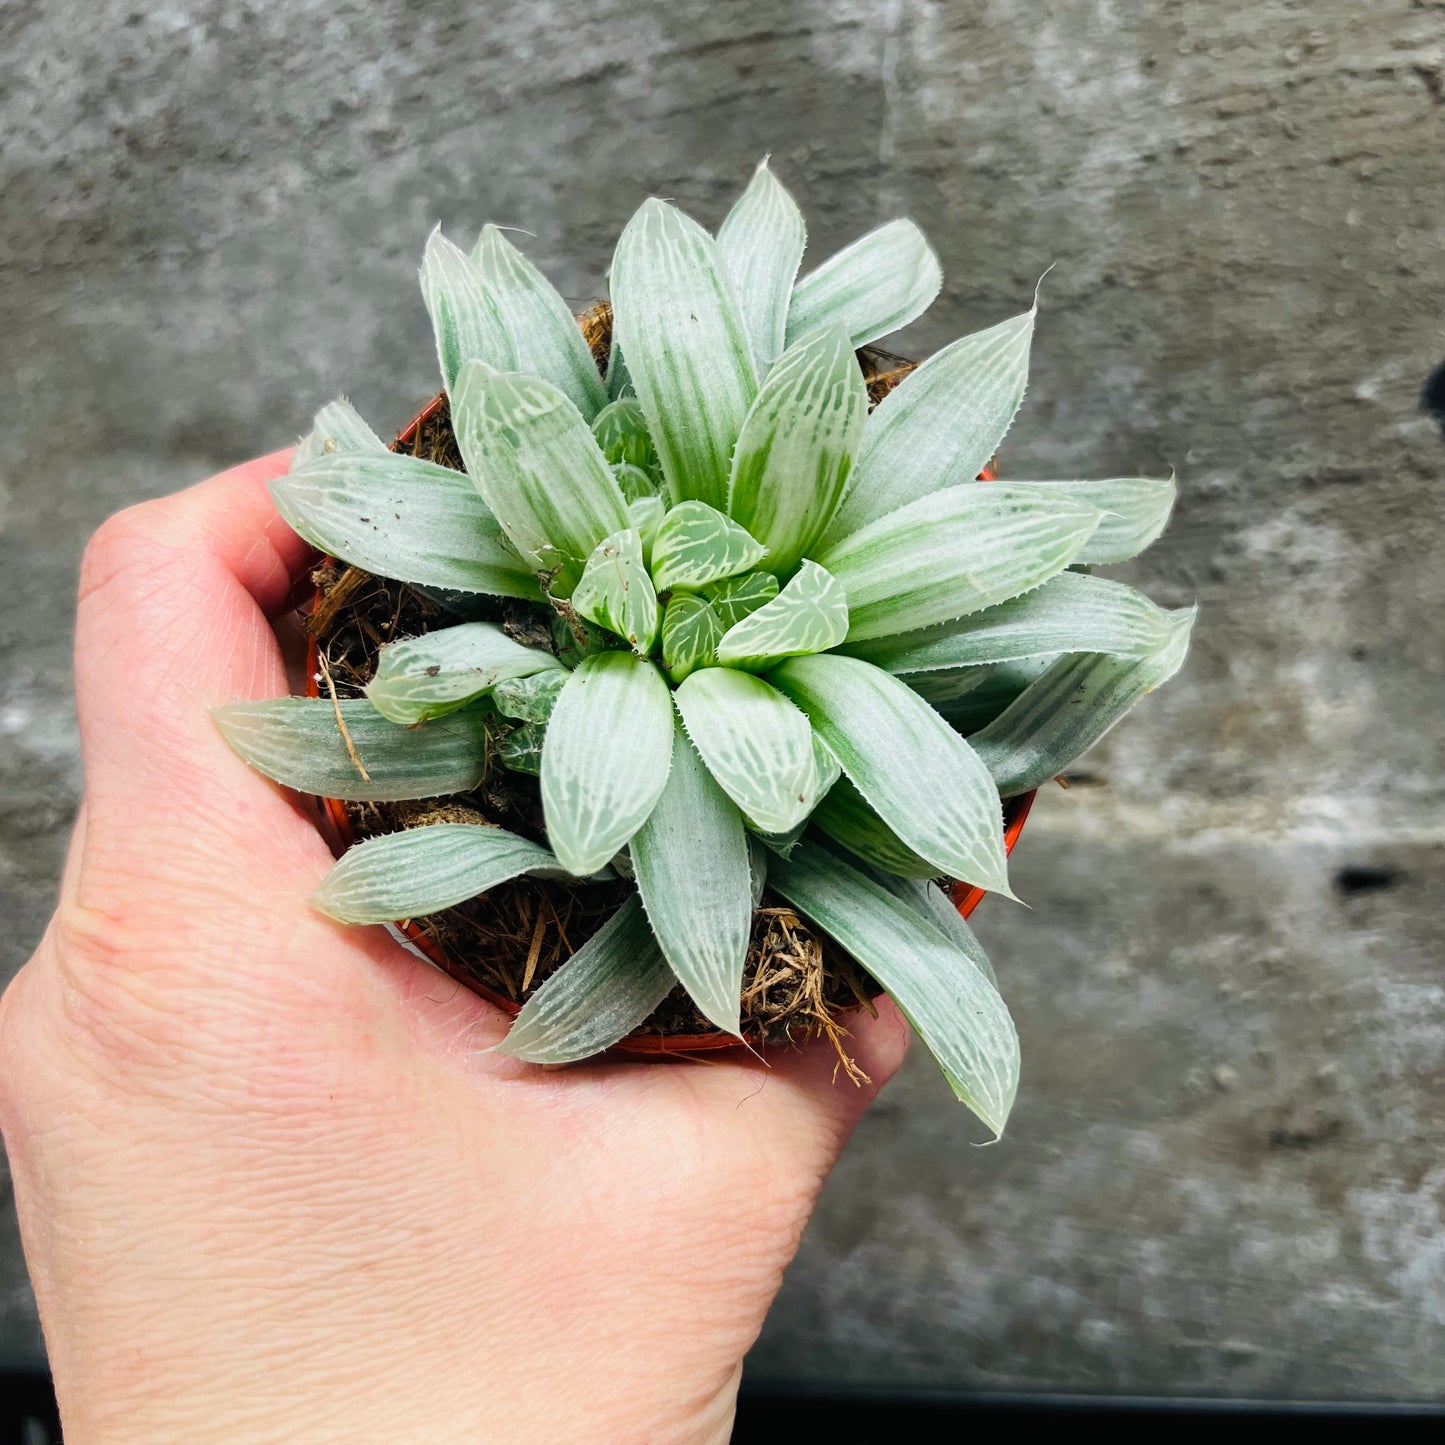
1225,1172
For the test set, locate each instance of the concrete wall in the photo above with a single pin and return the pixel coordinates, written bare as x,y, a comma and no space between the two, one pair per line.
1225,1172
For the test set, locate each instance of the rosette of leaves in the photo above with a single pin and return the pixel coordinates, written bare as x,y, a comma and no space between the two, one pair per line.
775,617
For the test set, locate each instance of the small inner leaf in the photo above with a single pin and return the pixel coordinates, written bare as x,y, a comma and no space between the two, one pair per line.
691,631
809,615
337,428
697,544
737,597
616,593
530,699
621,432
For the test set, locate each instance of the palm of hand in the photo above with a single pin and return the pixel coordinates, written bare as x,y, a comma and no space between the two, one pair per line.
270,1182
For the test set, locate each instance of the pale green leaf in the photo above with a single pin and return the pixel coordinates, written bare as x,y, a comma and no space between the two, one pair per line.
1135,510
463,314
423,870
954,553
621,432
737,597
951,1003
843,814
531,698
546,340
402,518
1069,613
1070,707
438,672
298,742
933,904
609,747
879,284
619,379
697,544
914,771
539,469
690,860
616,593
761,241
337,428
797,444
756,744
678,323
599,996
810,614
939,426
691,632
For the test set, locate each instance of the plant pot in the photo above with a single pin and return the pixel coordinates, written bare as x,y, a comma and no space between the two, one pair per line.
337,825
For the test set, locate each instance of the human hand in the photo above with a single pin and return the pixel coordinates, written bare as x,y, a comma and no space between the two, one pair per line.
271,1185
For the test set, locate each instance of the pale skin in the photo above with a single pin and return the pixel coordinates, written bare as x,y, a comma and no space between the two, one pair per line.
271,1184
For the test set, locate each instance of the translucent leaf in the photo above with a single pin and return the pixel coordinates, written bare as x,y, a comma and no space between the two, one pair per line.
843,814
940,425
827,769
1135,510
737,597
616,593
915,772
697,544
1069,613
647,514
521,749
687,351
637,485
609,747
463,315
438,672
810,614
599,996
337,428
757,869
298,742
951,1003
954,553
531,698
756,744
931,903
1067,710
621,432
538,468
423,870
402,518
761,241
619,379
546,340
947,684
880,283
690,860
691,632
791,463
973,709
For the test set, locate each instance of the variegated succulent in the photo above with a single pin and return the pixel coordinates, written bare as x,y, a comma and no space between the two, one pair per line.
774,618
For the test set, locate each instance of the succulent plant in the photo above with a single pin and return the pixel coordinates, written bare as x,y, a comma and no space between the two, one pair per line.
774,616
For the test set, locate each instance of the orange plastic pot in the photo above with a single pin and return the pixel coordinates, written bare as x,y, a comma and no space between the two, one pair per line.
965,896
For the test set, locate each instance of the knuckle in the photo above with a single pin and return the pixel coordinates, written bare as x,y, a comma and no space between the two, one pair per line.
124,548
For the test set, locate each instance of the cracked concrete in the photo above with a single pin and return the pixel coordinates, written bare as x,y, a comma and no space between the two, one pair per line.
1223,1174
